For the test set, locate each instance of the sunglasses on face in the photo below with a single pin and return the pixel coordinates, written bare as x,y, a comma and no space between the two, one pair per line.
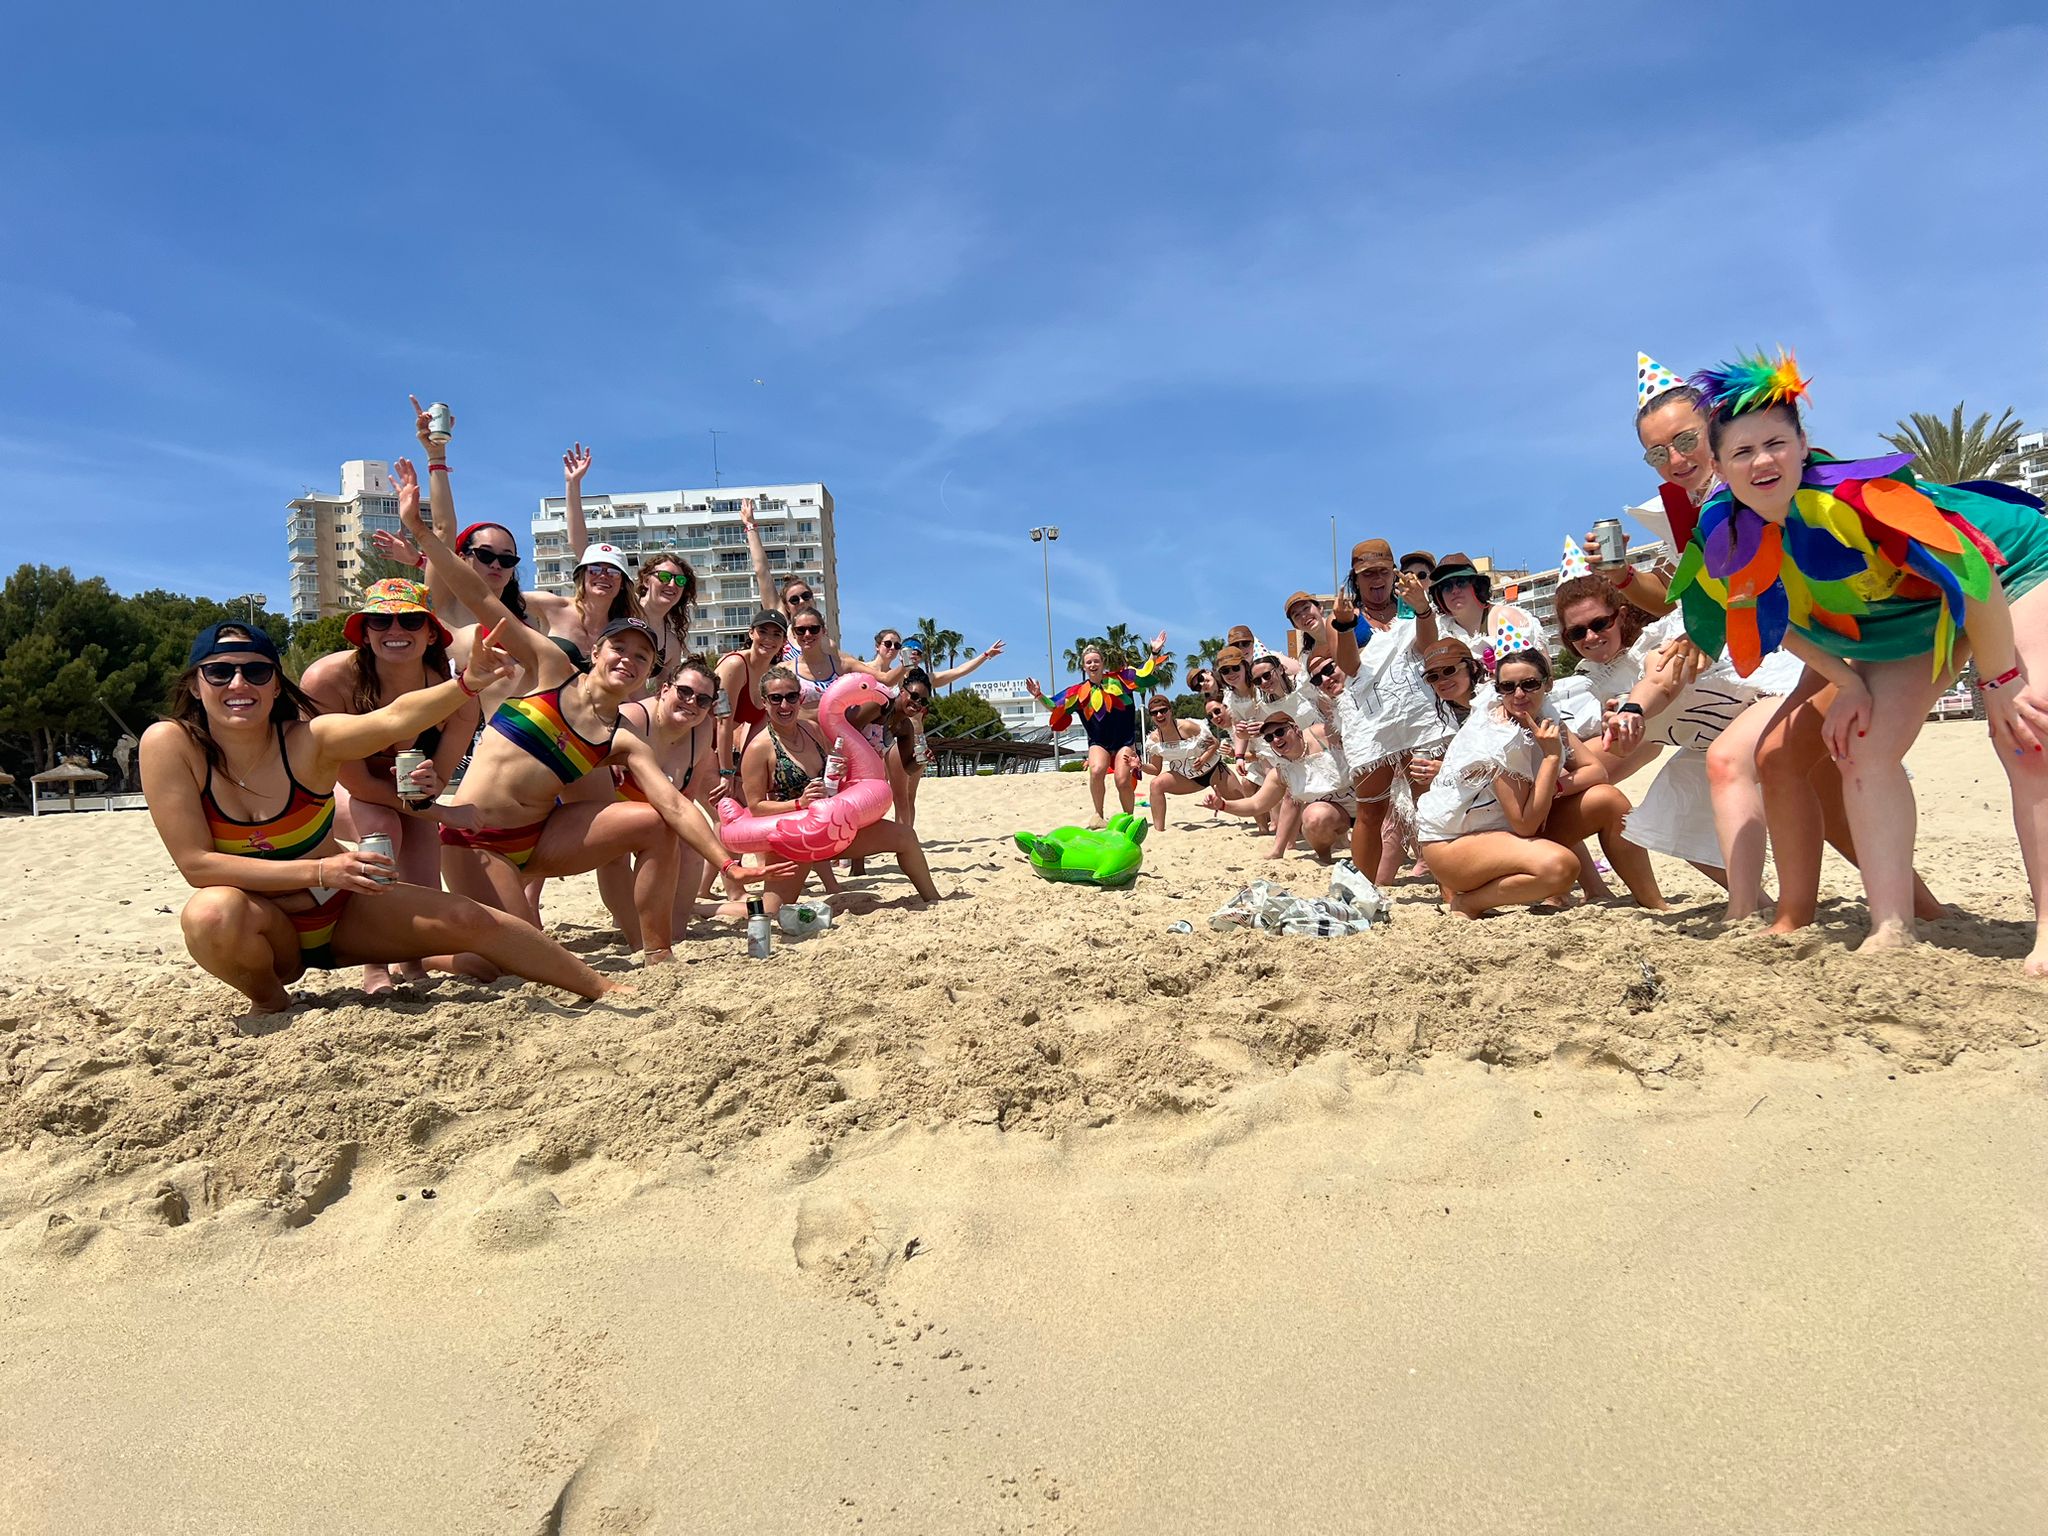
1278,734
671,578
1233,667
504,561
1523,685
808,629
692,697
1438,674
1160,709
797,597
1578,632
785,700
1323,676
255,673
1684,443
917,701
889,645
411,622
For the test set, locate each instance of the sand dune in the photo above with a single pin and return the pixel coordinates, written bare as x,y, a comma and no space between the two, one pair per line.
1023,1213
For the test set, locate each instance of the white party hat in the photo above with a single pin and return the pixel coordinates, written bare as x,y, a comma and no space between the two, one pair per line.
1653,379
1574,563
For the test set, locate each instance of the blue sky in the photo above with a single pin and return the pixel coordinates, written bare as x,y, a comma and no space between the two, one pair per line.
1185,280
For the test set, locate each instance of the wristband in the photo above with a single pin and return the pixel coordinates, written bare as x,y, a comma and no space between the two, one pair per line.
729,866
1341,627
438,464
728,773
1628,707
419,561
1628,574
2004,679
462,682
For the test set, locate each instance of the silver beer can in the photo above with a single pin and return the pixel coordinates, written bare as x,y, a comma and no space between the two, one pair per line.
440,422
377,842
409,761
1611,541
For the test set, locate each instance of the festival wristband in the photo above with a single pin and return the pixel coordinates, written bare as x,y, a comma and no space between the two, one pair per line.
1628,575
2004,679
729,866
1341,627
440,465
728,773
462,682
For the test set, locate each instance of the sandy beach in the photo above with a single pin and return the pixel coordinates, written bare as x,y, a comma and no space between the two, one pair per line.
1022,1213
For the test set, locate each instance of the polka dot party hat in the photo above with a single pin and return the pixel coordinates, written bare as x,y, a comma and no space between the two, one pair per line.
1652,379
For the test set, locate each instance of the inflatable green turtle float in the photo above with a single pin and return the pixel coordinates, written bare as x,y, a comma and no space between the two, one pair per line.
1106,856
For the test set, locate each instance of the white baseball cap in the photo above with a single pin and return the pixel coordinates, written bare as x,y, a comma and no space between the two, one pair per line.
604,554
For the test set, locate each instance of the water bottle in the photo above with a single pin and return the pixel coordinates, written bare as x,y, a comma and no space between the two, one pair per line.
835,766
760,938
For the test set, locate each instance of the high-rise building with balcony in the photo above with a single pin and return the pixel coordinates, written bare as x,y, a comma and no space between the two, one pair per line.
704,525
326,538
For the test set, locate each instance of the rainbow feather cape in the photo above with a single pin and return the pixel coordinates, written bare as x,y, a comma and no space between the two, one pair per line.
1859,532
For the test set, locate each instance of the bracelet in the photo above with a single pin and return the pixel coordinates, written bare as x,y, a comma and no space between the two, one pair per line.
729,866
419,561
728,773
1628,707
1628,575
320,873
1341,627
462,682
2004,679
440,464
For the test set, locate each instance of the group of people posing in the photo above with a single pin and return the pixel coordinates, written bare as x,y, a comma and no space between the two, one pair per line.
1762,686
491,738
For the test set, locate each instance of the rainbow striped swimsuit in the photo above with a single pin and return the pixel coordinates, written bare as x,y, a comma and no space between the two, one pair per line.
293,833
535,722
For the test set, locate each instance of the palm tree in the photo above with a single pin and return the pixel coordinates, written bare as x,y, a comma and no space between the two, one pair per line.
1949,453
927,633
948,642
1083,643
1205,653
1122,647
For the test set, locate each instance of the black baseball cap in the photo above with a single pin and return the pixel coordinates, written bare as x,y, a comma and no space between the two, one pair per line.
211,641
769,617
638,627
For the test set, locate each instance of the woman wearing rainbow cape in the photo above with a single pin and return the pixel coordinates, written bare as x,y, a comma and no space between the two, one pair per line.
1103,701
1871,576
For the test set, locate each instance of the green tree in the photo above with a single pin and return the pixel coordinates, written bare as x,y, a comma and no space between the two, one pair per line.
1082,643
959,714
1205,653
372,568
946,649
1949,452
312,641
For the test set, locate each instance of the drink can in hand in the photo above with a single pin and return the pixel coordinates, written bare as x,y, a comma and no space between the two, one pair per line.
377,842
1611,541
440,422
408,762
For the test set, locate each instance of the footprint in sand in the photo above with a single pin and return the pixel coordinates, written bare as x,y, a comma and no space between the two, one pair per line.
608,1491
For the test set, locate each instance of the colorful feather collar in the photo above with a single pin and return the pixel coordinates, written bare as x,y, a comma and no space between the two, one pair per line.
1858,532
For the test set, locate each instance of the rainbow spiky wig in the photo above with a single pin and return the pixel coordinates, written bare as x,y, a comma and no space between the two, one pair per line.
1750,383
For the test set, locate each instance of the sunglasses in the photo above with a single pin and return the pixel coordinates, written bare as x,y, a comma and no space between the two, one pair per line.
917,701
889,645
1526,685
406,621
1233,667
671,578
798,597
1578,632
786,700
1438,674
1684,443
808,629
504,561
1323,676
692,696
1277,734
1160,709
255,673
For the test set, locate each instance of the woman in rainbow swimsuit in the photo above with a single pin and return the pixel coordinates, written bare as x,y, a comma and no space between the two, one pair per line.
240,781
538,745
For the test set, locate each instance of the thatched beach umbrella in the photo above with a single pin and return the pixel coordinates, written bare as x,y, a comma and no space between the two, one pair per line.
70,775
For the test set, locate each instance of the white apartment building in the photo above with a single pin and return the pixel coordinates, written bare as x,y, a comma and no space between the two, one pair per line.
704,525
1020,712
2031,472
325,538
1537,591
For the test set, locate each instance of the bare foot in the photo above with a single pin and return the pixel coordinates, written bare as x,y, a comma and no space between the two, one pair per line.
1927,910
1659,905
411,970
2036,963
660,957
1784,927
1886,937
376,980
1096,823
1456,905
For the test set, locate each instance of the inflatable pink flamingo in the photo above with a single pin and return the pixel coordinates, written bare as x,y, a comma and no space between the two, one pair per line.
823,829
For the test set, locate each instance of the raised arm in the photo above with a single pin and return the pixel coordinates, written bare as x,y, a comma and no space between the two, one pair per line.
1414,591
339,739
541,657
764,583
575,465
954,674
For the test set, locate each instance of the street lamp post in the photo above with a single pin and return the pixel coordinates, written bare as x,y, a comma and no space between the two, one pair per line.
1043,538
255,600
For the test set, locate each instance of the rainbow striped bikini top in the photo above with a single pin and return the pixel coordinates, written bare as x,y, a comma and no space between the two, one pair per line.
293,833
535,722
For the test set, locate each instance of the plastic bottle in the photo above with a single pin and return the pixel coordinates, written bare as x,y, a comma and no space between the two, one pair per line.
760,938
835,766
